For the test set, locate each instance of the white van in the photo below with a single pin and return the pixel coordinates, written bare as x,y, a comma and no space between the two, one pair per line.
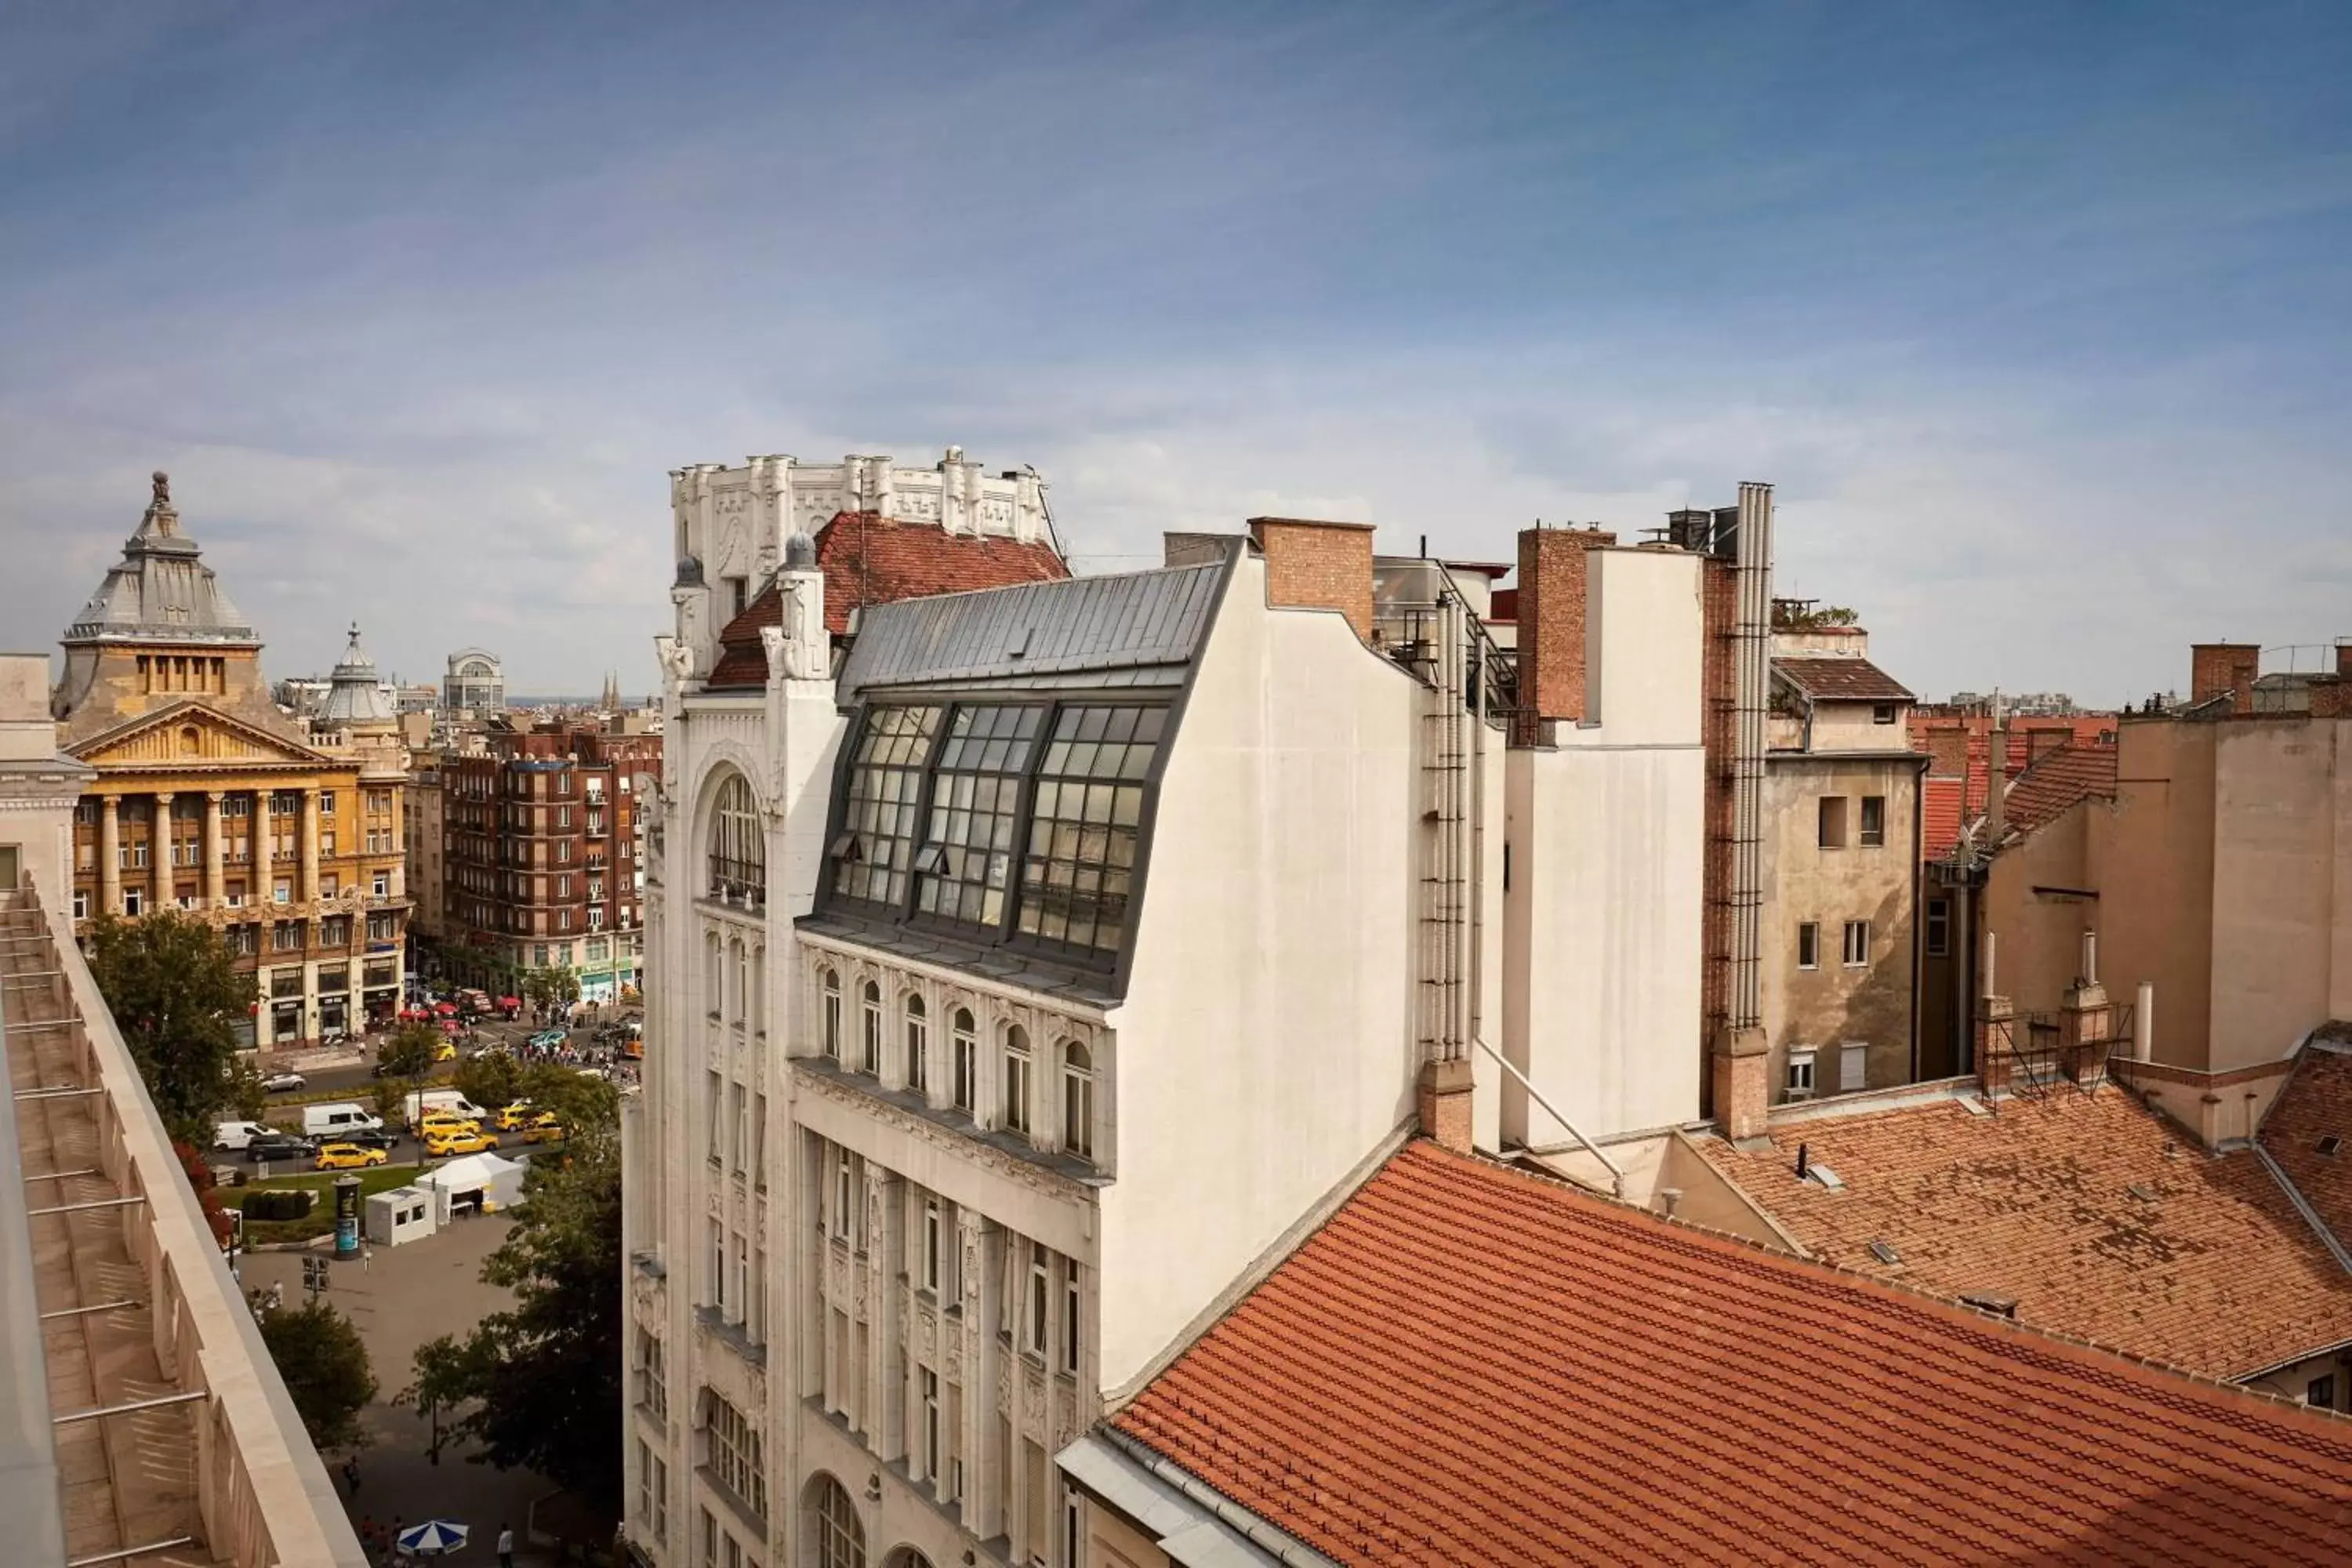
319,1120
422,1104
235,1135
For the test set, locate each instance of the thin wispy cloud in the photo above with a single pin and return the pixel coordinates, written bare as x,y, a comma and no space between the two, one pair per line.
2037,319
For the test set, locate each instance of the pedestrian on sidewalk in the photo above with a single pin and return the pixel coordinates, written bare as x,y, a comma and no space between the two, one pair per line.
506,1546
352,1474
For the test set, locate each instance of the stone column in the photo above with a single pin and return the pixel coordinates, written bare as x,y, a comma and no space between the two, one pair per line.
159,849
983,1279
214,891
263,837
886,1395
309,890
109,855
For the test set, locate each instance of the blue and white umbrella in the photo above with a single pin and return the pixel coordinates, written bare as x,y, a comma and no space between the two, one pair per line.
434,1538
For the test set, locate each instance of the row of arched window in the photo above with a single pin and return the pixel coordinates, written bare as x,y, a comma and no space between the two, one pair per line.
953,1079
841,1534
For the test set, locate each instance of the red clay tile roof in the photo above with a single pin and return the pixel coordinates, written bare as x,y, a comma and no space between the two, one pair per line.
2218,1274
873,560
2043,793
2316,1103
1836,679
1940,812
2080,729
1469,1364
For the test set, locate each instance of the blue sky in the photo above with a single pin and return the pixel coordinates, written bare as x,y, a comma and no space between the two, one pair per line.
2036,315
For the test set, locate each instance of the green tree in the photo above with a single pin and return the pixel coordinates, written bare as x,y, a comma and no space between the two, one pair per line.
325,1366
387,1093
246,1091
173,989
556,987
409,1053
540,1386
586,1104
490,1079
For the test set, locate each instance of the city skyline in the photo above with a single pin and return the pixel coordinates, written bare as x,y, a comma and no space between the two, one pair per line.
2035,323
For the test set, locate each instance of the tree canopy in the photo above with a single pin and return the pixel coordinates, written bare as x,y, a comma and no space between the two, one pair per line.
540,1383
556,987
325,1365
490,1079
173,989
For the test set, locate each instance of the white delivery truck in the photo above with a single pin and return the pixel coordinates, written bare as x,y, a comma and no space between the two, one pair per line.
327,1121
235,1135
425,1103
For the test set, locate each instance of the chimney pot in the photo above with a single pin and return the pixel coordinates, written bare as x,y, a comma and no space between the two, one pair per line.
1318,565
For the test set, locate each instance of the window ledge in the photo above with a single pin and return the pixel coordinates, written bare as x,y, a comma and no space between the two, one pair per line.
715,1324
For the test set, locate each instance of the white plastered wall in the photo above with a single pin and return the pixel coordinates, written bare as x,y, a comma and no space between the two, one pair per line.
1601,938
1267,1041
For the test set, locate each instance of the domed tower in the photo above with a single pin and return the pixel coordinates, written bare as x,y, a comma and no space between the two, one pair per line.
356,699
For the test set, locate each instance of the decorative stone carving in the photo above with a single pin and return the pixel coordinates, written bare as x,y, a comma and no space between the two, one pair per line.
676,656
1033,1397
1049,1182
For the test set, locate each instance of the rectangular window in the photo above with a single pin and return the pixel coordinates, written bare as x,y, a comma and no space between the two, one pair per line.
710,1106
281,891
709,1538
286,937
1799,1081
760,1141
1882,713
1874,821
967,1070
81,904
645,1481
1033,1340
326,843
919,1046
931,1386
1853,1065
742,1130
718,1266
1808,945
845,1187
330,885
1939,927
1082,832
871,855
965,864
1857,944
1017,1082
2320,1393
1832,822
931,1239
1071,1316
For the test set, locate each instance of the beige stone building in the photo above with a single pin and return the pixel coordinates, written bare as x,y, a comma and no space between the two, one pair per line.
207,798
1841,855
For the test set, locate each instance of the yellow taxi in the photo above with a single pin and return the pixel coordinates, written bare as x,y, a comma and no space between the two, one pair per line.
515,1117
349,1157
447,1051
543,1129
466,1141
446,1121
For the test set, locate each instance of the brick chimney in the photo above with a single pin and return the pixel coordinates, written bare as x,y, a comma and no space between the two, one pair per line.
1553,574
1318,566
1947,754
2040,742
2218,668
2343,658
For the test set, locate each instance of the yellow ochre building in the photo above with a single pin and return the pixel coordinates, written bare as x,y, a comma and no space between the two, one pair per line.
211,799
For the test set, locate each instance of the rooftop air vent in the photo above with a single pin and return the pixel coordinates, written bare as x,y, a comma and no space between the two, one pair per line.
2141,1191
1826,1177
1986,1302
2330,1145
1884,1254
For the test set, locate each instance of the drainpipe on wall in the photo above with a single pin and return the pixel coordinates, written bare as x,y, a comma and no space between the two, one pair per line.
1741,1094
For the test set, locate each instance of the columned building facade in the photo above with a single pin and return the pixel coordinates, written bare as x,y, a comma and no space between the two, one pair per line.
209,800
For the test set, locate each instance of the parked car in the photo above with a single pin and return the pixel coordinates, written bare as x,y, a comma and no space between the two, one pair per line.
544,1129
284,1082
447,1051
452,1141
441,1123
278,1146
235,1135
548,1039
337,1120
349,1157
513,1118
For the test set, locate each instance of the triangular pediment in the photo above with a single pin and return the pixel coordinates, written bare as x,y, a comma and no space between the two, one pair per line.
191,735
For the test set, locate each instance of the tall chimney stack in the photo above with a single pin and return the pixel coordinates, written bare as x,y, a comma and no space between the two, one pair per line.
1554,577
1316,565
2217,668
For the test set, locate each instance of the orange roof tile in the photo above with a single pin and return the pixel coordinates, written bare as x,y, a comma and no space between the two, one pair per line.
1939,810
1469,1364
2044,792
869,559
2316,1104
2217,1274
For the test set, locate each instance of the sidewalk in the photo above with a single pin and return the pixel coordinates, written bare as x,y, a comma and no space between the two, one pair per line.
402,1298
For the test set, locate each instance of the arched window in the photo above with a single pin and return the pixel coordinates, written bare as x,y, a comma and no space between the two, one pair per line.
908,1557
840,1537
919,1044
829,1025
870,1055
1017,1079
1078,1100
966,1083
738,851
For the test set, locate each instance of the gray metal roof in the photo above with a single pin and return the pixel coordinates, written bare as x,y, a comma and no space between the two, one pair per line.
356,695
162,591
1125,622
